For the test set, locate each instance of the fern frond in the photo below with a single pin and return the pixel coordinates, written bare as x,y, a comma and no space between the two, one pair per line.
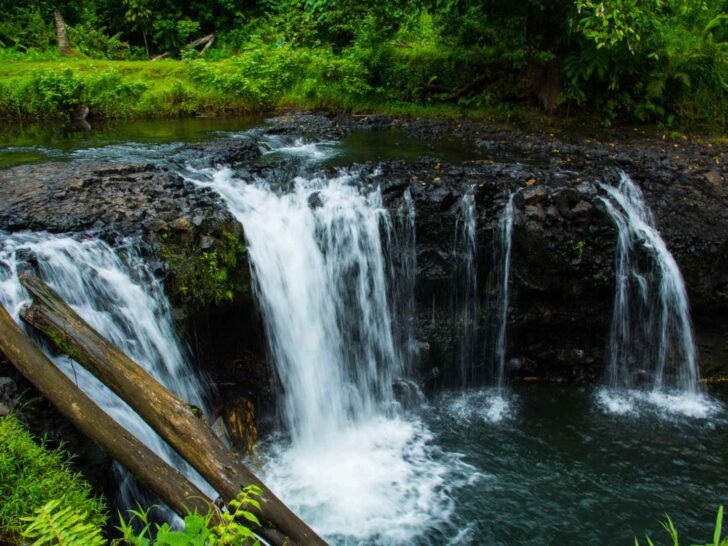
62,527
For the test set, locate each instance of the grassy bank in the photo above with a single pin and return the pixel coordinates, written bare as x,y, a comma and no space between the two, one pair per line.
258,81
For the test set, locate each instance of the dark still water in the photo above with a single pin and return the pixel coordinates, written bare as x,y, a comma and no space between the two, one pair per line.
554,465
115,140
162,140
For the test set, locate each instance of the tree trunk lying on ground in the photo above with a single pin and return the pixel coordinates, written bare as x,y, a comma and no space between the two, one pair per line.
171,486
171,417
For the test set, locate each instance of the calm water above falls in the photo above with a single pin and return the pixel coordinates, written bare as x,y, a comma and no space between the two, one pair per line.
531,464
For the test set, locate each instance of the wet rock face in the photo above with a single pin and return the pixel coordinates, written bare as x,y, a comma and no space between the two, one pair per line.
189,239
561,284
126,198
562,272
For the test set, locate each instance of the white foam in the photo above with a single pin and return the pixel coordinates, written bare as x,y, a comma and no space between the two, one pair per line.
379,481
488,405
663,404
315,151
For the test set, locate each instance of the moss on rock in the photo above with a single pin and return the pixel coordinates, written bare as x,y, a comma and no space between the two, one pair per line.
206,267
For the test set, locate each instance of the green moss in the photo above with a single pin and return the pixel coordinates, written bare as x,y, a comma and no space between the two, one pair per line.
61,343
213,276
31,475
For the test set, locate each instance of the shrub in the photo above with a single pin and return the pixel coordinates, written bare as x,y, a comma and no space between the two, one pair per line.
52,92
651,61
96,43
31,474
112,93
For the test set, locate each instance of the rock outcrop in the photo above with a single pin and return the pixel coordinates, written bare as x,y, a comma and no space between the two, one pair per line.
562,275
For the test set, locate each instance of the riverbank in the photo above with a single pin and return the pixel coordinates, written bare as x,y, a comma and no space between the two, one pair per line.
82,88
85,90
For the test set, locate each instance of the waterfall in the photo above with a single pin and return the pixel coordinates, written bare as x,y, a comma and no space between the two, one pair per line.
351,463
651,331
502,261
125,303
320,277
465,301
400,251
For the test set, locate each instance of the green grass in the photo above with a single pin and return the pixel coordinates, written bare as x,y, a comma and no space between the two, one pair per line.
31,474
260,80
421,81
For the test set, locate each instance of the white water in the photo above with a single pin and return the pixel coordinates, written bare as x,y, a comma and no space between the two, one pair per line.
651,339
122,301
298,147
465,283
356,468
489,405
502,260
632,402
401,257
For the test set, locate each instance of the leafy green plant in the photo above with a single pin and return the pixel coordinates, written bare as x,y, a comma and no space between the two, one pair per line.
672,532
52,524
657,60
216,528
30,474
55,90
98,43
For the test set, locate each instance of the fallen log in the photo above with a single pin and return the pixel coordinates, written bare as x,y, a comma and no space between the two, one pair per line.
204,40
168,483
176,421
208,44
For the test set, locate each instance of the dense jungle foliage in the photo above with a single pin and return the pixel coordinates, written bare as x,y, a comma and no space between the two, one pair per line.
662,61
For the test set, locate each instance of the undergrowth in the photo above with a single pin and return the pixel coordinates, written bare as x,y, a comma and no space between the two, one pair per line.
31,474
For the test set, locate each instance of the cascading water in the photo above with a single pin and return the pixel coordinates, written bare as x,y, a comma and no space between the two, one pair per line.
502,261
491,403
465,301
401,256
121,300
651,340
354,466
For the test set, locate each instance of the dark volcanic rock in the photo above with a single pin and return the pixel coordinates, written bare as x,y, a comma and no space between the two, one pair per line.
228,152
125,198
563,241
562,274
